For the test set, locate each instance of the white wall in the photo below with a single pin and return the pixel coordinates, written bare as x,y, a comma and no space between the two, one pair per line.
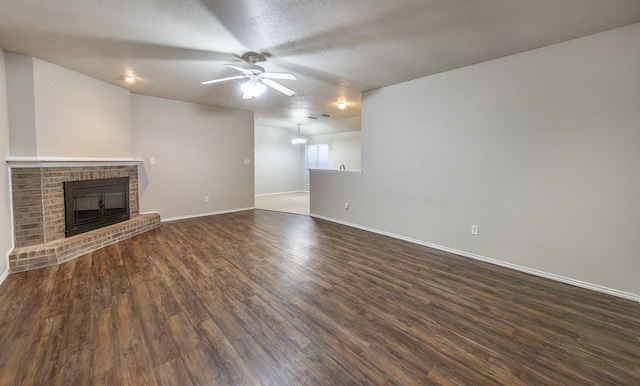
199,151
344,149
279,164
5,222
541,150
71,114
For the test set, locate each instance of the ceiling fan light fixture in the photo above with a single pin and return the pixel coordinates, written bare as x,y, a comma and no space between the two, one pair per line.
258,79
254,88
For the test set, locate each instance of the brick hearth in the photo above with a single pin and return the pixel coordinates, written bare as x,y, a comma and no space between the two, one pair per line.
59,251
38,215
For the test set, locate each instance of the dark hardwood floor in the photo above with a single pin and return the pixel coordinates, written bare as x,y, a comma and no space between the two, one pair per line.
261,297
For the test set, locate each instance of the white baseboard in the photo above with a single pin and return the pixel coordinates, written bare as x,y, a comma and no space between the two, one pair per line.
151,212
275,194
4,275
562,279
169,219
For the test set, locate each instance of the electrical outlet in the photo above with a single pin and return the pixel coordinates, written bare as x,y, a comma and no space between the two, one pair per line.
152,160
474,230
206,198
346,205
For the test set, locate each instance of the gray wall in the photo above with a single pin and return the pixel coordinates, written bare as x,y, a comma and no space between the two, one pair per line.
541,150
22,113
5,222
279,164
199,151
56,112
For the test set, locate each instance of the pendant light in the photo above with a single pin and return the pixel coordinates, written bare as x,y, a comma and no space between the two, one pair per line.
299,140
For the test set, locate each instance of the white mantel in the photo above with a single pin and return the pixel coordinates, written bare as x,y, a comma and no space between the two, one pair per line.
38,162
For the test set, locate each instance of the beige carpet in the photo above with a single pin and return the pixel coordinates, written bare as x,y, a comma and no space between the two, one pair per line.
297,202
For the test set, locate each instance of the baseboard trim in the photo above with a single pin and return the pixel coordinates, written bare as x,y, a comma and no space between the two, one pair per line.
4,275
169,219
547,275
276,194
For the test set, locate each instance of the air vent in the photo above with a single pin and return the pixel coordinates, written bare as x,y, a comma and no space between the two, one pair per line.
310,117
326,115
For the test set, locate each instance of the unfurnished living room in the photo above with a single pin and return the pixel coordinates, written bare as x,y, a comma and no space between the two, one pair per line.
468,173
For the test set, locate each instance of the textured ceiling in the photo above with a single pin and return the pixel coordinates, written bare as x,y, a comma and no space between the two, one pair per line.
337,48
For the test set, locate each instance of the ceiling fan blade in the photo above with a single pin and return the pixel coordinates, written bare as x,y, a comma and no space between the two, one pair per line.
278,75
223,79
278,86
243,70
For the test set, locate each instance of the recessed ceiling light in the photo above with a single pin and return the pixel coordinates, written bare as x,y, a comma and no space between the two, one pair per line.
342,105
129,79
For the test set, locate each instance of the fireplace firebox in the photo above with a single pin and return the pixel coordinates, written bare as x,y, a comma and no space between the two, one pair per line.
92,204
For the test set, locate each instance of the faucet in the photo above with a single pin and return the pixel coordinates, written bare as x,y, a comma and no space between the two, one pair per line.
342,167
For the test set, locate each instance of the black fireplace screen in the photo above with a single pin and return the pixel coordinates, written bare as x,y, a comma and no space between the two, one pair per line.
95,203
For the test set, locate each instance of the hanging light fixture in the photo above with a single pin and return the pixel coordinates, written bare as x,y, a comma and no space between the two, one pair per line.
299,139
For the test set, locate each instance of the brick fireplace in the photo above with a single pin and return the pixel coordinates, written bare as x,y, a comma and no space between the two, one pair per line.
39,214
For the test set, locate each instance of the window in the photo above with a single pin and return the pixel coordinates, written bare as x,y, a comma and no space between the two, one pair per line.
315,157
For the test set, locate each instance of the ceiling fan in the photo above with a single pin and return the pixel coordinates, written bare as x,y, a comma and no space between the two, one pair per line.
257,77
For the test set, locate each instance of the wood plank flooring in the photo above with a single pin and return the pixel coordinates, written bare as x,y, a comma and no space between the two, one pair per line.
260,297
